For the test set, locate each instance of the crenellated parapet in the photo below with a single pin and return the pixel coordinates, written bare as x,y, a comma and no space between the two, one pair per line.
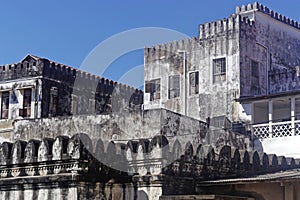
259,7
21,70
156,156
214,28
169,50
224,26
70,87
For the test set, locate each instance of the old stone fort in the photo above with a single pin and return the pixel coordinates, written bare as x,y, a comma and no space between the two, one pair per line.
219,118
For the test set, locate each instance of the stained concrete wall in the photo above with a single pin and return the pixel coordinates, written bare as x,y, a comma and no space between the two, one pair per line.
274,42
255,34
216,40
127,126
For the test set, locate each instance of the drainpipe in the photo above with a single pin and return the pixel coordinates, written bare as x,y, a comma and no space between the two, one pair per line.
184,81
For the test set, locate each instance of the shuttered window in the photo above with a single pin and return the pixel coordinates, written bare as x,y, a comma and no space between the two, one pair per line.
219,70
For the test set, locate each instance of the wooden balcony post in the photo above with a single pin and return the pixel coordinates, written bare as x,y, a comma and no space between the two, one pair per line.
270,117
293,115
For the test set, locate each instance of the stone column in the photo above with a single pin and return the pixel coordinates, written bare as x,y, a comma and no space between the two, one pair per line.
293,114
270,117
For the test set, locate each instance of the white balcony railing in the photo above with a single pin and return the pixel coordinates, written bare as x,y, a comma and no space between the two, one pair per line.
276,129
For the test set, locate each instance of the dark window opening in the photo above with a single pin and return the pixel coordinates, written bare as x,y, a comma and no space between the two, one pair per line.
25,111
194,83
174,86
219,70
153,87
53,102
255,88
4,105
254,69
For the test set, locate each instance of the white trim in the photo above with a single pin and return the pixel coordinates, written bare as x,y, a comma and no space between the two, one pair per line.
270,108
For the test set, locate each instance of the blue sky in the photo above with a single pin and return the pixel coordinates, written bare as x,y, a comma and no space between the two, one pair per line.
66,31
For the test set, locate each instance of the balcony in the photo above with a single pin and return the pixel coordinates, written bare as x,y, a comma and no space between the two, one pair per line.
276,129
276,117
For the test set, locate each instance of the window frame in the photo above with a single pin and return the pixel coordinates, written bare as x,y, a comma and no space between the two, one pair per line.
196,84
2,101
219,71
53,102
25,110
173,89
153,87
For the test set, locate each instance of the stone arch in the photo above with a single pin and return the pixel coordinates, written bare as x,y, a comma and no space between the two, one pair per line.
60,147
210,156
282,162
255,161
245,157
177,150
45,149
236,159
159,140
132,146
291,162
264,159
160,144
111,148
140,152
198,155
225,157
131,150
99,150
31,151
189,151
121,162
5,152
80,146
145,144
18,151
111,154
273,161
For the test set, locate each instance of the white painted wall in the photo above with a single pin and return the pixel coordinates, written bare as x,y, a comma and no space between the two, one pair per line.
285,146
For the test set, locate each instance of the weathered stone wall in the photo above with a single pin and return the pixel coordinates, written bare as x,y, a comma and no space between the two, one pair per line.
94,95
254,42
76,92
126,126
284,80
274,42
77,168
216,40
25,69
